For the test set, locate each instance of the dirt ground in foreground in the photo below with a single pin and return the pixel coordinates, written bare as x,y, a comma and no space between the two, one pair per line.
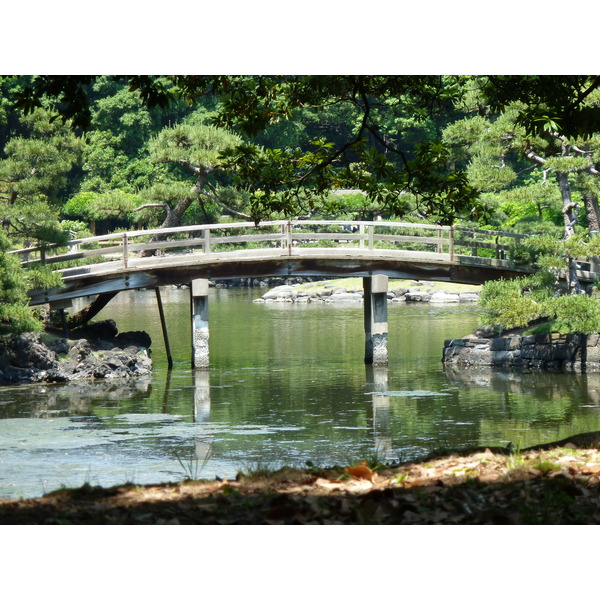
551,484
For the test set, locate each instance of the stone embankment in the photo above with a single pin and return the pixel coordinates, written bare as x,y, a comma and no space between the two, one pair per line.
331,292
568,353
99,352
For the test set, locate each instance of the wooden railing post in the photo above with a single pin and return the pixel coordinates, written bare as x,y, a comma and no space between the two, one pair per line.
361,231
451,243
371,231
206,238
289,237
283,237
125,250
474,249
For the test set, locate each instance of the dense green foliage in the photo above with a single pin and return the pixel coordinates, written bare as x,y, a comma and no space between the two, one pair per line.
15,315
96,153
518,302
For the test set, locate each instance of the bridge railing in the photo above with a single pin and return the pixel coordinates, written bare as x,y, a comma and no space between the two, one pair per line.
485,242
286,235
373,235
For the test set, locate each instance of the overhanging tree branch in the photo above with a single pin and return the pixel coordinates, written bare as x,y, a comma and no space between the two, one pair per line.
326,162
530,154
582,95
164,205
220,204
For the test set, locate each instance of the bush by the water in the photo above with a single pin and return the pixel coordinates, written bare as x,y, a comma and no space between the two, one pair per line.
517,302
577,313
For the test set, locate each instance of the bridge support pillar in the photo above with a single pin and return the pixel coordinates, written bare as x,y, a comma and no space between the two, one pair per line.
61,306
376,319
163,324
199,309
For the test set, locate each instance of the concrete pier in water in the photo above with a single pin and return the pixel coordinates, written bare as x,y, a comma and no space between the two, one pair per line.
199,309
376,319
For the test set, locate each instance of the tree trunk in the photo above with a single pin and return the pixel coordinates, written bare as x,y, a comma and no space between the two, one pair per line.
593,212
91,310
569,207
570,214
173,218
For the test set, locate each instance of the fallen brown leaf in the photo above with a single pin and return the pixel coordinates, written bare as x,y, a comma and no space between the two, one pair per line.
590,469
360,471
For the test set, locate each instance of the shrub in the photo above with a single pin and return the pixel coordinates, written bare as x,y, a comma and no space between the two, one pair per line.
513,303
576,313
504,305
15,314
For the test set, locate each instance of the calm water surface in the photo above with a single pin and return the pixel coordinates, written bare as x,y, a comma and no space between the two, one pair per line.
287,385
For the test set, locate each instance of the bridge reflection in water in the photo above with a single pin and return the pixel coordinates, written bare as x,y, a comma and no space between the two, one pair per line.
378,412
373,250
509,385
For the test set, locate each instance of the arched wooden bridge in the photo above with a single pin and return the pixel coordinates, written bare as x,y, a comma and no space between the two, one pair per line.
114,262
279,248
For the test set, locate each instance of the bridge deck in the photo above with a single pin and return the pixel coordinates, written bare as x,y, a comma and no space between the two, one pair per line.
330,262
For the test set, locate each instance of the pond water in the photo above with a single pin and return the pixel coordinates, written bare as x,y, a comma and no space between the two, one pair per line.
287,386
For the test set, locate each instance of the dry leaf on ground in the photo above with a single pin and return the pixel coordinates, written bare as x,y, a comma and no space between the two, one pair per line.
360,471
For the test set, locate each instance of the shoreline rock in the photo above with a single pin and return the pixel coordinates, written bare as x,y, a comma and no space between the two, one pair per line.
88,355
260,282
334,293
555,352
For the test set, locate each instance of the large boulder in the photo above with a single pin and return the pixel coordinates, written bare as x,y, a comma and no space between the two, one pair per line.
133,338
442,297
100,330
28,351
27,358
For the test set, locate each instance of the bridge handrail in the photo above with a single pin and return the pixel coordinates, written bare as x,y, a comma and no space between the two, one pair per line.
239,225
517,236
290,233
144,232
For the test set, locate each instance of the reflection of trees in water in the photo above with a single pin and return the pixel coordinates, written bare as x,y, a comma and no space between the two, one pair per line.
74,399
536,408
551,386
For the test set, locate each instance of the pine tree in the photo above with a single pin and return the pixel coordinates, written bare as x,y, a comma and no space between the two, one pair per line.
195,149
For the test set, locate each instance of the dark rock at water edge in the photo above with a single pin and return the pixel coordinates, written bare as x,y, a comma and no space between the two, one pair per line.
568,353
98,352
107,331
262,282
